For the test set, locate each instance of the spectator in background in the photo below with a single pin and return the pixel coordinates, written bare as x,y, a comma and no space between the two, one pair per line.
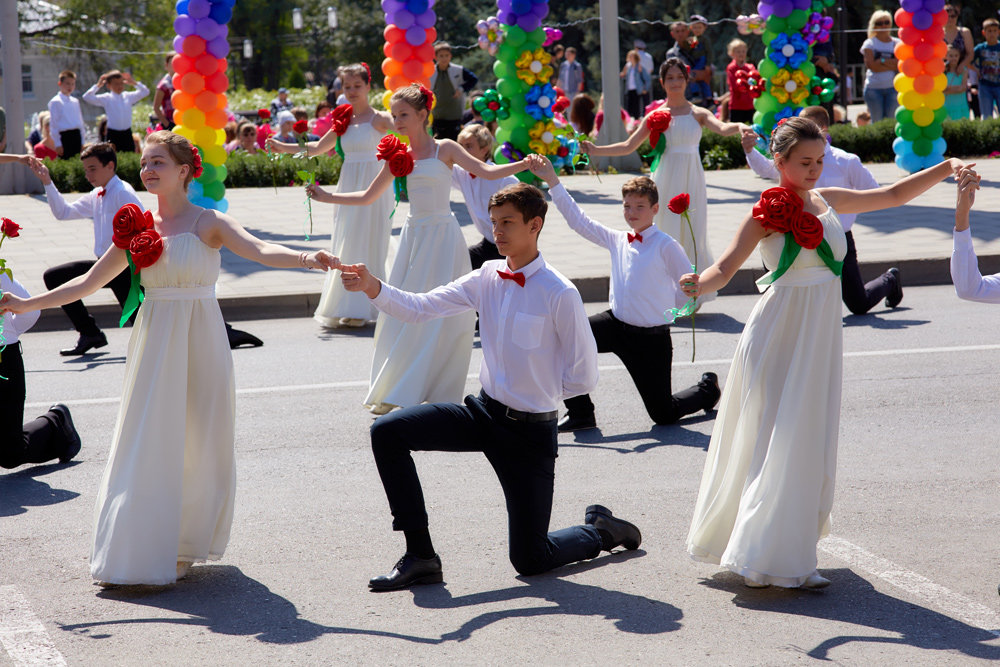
880,60
335,90
701,65
646,61
636,84
581,114
955,101
571,74
959,37
163,105
284,122
117,105
301,114
680,32
45,149
281,103
986,60
65,118
36,133
246,139
449,92
740,101
230,130
864,118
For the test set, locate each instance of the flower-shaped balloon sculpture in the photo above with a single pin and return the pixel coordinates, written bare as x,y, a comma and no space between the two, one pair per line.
821,90
817,28
539,100
490,35
566,154
533,67
750,81
820,5
552,35
492,106
788,50
544,138
788,86
750,24
785,114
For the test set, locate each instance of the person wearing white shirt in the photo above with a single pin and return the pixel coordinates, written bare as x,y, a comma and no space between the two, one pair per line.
843,170
65,119
645,266
478,141
970,284
50,436
117,105
646,60
537,350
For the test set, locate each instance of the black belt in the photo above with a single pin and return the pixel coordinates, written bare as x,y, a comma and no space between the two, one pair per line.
518,415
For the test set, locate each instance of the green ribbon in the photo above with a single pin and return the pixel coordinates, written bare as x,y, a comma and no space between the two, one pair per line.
657,152
399,187
135,293
340,151
791,251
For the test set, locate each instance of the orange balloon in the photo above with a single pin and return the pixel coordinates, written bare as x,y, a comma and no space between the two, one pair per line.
393,34
192,83
903,51
940,50
428,69
216,118
181,100
179,116
392,67
934,67
395,82
923,84
206,100
911,67
413,69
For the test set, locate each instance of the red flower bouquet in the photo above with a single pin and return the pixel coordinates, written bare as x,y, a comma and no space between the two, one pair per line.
657,122
389,145
781,210
133,232
341,118
401,164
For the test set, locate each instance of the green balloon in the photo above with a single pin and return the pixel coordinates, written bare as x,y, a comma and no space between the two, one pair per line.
826,96
767,102
909,132
479,104
519,134
500,70
221,173
940,115
932,131
510,87
776,24
503,135
769,35
904,116
535,38
502,114
498,156
215,190
922,146
767,121
808,69
758,118
507,52
797,20
516,36
207,174
767,68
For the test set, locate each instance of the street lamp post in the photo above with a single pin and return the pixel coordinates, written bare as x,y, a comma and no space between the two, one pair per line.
316,52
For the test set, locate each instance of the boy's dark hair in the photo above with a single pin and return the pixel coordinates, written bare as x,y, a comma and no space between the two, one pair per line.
66,74
103,151
113,74
527,199
300,113
990,21
818,115
442,46
642,186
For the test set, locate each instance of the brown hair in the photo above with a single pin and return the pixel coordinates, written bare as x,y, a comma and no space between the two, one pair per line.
480,133
412,95
103,151
356,69
322,105
300,113
113,74
442,46
642,186
179,148
990,21
527,199
66,74
581,113
674,62
788,134
818,115
243,126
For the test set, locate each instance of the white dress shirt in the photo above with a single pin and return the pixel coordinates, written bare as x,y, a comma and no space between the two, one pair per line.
64,114
118,106
477,193
537,344
644,273
970,284
840,170
101,209
15,325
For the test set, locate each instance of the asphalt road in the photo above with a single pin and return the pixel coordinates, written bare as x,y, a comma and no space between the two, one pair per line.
914,556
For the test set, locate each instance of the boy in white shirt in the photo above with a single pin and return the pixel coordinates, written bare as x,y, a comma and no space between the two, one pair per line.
65,119
645,267
537,350
118,106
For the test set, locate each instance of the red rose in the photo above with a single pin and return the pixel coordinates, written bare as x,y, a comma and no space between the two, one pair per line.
341,118
145,247
264,114
680,203
9,227
389,146
778,209
807,230
400,164
657,123
300,127
129,221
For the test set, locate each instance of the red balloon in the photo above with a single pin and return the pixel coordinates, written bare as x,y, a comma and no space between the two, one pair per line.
424,52
413,69
182,64
432,36
193,46
923,52
910,35
941,17
206,100
206,65
393,34
903,18
923,84
401,51
387,50
175,81
217,83
216,118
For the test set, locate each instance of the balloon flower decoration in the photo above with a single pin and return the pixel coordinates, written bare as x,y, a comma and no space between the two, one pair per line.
753,24
552,35
492,106
489,35
199,96
920,84
409,44
750,81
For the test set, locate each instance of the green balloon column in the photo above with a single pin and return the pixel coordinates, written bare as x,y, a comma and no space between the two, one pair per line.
790,80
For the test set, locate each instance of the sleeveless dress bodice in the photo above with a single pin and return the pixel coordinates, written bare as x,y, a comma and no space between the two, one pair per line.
429,189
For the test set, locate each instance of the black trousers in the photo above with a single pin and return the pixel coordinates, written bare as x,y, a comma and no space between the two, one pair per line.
35,442
72,142
482,252
123,140
647,353
446,129
860,297
522,455
741,116
632,103
82,320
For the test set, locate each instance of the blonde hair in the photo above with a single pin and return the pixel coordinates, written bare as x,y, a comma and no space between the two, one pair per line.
877,15
179,148
789,133
632,56
414,96
43,118
480,133
733,44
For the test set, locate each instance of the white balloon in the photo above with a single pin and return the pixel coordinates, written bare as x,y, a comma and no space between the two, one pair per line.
535,66
544,102
790,86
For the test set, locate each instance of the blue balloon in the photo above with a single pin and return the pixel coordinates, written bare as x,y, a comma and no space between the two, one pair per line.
521,6
221,13
939,146
195,190
222,205
900,145
182,7
910,161
417,7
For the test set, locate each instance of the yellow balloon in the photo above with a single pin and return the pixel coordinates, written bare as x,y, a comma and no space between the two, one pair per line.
204,137
923,117
220,138
386,99
216,155
934,99
911,99
185,132
193,118
940,82
902,83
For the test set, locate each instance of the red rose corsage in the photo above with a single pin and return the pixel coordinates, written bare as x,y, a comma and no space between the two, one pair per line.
133,231
428,95
781,210
401,164
145,248
197,161
657,122
341,118
388,146
129,221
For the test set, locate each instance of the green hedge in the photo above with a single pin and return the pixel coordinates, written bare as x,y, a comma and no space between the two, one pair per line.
245,171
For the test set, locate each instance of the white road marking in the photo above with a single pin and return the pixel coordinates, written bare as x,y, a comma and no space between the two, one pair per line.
351,384
21,633
938,597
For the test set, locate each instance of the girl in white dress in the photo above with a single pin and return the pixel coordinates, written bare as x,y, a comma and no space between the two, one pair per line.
166,498
679,169
361,232
416,363
768,482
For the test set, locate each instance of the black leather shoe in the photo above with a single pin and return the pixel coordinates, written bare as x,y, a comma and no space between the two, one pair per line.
409,571
896,295
614,532
84,344
710,382
570,423
238,338
68,430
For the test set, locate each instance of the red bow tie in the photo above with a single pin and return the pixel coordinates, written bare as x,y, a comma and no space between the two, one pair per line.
516,277
102,192
473,175
634,237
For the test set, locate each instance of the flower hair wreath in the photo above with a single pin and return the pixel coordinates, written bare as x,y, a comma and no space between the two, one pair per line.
368,70
428,95
197,161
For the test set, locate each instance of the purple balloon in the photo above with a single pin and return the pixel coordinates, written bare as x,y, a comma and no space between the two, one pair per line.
221,13
933,6
530,23
782,8
503,5
507,17
922,20
207,29
199,9
427,19
223,31
416,36
521,6
184,25
540,9
911,6
403,19
392,6
218,47
802,4
178,44
765,9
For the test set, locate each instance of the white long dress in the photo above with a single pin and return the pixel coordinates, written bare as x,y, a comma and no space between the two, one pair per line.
168,488
767,487
429,362
680,171
360,233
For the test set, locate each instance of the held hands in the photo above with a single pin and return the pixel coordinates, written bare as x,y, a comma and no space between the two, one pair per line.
41,171
321,259
542,168
748,140
12,304
690,284
357,278
968,183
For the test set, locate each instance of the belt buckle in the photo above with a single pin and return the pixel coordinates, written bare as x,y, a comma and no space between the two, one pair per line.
506,413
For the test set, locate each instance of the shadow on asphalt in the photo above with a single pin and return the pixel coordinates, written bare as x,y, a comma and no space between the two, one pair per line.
852,599
876,321
717,322
658,436
21,490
